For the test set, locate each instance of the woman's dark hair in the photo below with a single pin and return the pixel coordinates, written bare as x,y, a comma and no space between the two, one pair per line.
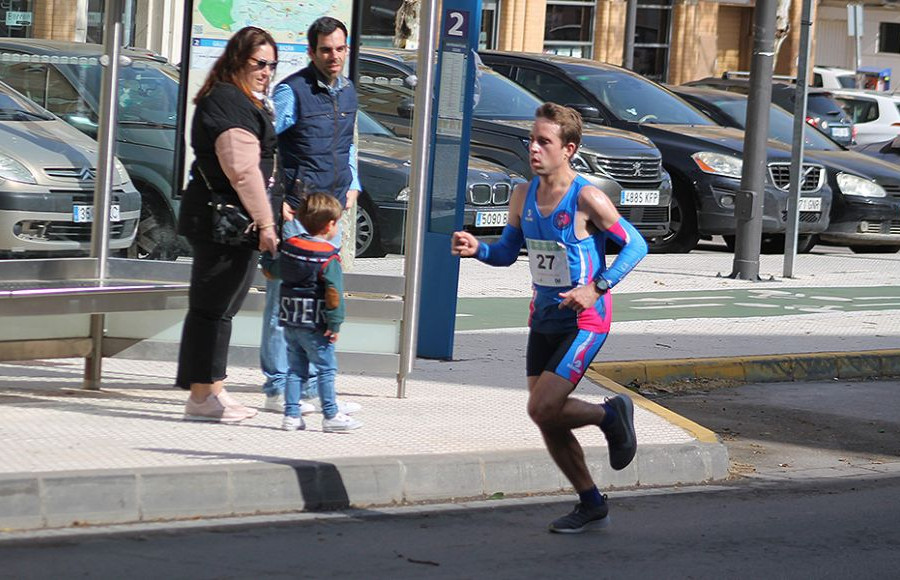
238,51
323,26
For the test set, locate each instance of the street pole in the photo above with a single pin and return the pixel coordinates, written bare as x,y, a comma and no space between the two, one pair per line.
630,26
106,155
798,142
419,180
749,201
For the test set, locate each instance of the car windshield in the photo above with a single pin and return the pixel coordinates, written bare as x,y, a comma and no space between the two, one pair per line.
148,91
822,104
781,124
369,126
14,107
497,97
500,98
634,99
847,81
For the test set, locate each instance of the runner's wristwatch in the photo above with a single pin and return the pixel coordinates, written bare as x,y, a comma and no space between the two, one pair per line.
601,284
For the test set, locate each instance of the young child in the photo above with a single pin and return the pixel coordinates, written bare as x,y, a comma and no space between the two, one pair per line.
311,309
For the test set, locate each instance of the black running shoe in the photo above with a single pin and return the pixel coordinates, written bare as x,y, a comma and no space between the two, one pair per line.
620,436
582,518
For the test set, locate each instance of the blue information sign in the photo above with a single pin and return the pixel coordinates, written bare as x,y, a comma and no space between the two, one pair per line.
454,98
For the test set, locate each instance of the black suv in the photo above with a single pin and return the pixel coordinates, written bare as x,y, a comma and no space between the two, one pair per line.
822,111
866,191
704,160
625,165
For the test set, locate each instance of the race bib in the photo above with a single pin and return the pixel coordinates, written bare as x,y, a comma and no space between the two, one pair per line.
549,263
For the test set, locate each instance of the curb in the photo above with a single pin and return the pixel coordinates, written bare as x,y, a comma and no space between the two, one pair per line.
756,369
79,498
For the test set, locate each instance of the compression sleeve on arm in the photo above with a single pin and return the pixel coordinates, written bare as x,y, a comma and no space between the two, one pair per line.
504,251
634,248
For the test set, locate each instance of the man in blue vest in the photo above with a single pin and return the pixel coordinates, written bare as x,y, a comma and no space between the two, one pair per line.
315,115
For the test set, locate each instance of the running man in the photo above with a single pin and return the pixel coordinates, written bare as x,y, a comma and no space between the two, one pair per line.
565,223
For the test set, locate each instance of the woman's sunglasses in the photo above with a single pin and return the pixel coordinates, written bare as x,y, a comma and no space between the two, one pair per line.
262,63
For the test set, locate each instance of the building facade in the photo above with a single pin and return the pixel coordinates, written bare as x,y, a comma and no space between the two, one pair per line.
675,41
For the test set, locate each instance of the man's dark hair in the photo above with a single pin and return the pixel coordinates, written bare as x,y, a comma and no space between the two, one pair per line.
323,26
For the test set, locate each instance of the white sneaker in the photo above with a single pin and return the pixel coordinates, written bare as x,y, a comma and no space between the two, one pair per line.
293,424
274,403
307,408
339,423
315,406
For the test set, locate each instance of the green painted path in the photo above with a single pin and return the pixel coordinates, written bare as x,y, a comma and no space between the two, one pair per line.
492,313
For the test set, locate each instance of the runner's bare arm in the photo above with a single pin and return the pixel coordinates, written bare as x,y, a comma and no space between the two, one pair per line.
602,214
504,251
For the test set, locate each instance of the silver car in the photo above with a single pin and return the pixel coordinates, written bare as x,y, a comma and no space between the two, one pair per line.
47,177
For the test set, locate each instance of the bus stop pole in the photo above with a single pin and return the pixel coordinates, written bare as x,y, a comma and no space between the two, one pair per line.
100,228
797,143
419,180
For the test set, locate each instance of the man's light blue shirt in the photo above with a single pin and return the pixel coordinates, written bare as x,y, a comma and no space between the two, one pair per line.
286,106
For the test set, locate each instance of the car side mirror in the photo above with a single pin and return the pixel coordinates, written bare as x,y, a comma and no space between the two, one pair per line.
405,108
587,112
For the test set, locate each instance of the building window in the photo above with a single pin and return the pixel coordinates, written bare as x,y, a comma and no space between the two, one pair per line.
16,19
569,28
378,22
651,39
889,37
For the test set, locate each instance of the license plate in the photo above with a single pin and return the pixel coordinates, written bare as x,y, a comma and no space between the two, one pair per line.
491,219
842,132
85,214
810,204
639,197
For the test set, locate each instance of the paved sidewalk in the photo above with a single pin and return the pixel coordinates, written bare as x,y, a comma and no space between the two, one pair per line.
69,456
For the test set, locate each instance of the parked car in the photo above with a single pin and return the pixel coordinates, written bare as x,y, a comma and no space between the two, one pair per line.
826,77
877,115
885,150
625,165
65,78
832,77
865,191
704,160
47,177
822,110
384,172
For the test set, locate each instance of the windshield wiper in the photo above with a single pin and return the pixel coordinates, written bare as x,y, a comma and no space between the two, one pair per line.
150,124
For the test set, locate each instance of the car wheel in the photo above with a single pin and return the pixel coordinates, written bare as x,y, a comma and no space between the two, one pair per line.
806,242
156,237
368,242
682,236
875,249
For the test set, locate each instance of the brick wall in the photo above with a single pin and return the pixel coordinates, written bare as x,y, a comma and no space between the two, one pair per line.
609,36
54,19
522,25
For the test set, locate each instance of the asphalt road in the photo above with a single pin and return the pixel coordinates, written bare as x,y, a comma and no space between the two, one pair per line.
838,529
814,496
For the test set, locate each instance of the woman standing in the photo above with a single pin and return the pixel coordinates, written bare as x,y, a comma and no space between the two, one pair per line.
234,143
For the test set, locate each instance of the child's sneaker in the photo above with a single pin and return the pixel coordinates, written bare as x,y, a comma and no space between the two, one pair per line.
315,406
275,403
293,424
339,423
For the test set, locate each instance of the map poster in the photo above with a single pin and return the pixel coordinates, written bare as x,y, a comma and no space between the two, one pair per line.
214,21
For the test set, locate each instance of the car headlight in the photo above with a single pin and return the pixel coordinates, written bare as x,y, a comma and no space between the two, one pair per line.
403,195
718,164
123,173
580,164
855,185
12,170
